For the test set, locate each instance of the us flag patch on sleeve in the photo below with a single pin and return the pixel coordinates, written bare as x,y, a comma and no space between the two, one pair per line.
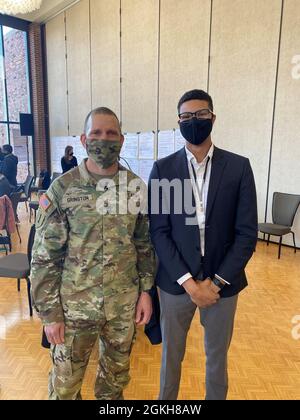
45,202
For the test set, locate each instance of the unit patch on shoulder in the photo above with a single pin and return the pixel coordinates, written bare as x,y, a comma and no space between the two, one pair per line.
45,202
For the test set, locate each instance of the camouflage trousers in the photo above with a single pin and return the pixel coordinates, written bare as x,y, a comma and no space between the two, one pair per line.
70,359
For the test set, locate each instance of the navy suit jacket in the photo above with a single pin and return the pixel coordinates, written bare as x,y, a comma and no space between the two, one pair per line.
230,225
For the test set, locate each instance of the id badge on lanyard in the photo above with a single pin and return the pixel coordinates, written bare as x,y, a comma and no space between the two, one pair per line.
201,216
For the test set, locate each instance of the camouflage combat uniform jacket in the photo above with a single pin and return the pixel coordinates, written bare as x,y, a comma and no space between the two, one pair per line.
85,262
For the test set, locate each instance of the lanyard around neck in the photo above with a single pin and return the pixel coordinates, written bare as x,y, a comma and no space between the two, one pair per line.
200,190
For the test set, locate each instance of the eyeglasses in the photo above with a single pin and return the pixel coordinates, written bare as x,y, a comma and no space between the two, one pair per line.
201,114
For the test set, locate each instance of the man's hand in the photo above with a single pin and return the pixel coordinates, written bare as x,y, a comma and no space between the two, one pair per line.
55,333
214,287
201,292
143,309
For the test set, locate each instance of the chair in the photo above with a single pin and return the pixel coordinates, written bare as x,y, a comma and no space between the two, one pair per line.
284,209
17,266
36,185
5,240
21,186
15,199
26,195
34,205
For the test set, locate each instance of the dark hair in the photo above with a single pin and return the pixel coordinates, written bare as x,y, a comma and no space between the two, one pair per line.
195,94
67,151
7,148
96,111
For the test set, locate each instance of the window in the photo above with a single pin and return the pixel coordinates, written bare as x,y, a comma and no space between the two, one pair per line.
14,94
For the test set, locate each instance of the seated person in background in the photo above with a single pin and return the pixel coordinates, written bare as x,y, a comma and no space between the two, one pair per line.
1,158
9,166
68,161
45,180
5,187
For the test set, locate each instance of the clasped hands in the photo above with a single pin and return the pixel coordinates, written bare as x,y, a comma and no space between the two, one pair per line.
202,293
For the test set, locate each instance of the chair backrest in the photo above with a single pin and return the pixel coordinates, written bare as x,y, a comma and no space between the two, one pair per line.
5,239
15,198
284,208
27,180
30,243
3,205
28,185
37,182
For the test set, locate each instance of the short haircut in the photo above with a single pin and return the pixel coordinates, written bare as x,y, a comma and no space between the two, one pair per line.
196,94
101,110
7,148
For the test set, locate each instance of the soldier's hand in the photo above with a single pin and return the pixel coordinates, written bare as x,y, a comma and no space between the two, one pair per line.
55,333
143,309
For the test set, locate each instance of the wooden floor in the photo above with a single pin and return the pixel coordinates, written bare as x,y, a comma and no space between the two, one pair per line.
264,360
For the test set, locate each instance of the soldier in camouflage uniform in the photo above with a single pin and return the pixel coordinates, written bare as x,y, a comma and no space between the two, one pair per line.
91,269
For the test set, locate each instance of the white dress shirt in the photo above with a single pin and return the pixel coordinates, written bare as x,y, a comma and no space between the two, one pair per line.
200,169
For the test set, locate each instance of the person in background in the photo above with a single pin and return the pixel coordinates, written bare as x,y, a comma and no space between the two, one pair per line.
9,165
45,179
68,161
1,157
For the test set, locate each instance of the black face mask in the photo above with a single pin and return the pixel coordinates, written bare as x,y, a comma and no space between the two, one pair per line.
196,131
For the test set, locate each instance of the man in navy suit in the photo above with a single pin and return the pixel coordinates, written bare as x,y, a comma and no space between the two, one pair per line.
203,223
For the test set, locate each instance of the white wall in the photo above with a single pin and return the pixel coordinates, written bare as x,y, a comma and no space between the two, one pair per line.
244,50
57,76
285,157
139,63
